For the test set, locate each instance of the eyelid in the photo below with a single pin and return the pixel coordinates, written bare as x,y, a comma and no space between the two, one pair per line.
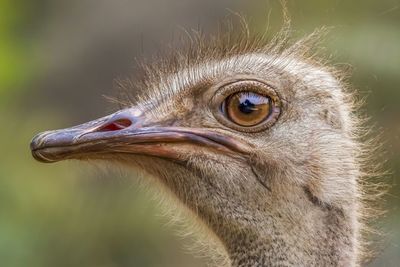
238,86
252,85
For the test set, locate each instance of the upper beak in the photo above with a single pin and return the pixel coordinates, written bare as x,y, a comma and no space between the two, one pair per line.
124,132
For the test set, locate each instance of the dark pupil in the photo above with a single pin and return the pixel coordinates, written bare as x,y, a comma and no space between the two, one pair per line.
246,107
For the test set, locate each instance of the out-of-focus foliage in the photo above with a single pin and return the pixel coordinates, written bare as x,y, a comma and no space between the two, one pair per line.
58,57
15,58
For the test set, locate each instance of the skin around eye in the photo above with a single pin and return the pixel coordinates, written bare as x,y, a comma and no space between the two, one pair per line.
247,108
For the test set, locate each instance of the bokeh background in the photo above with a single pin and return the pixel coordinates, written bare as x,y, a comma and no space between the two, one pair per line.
57,60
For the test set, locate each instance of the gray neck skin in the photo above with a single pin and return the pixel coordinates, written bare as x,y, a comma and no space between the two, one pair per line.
325,237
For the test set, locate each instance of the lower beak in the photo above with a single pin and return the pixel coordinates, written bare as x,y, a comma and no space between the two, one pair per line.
123,132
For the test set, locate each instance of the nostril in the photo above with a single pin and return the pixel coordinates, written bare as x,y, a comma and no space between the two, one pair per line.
116,125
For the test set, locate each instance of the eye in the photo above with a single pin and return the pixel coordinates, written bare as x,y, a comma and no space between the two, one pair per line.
247,108
246,105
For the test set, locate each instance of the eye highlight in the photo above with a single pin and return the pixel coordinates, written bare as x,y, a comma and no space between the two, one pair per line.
246,105
246,108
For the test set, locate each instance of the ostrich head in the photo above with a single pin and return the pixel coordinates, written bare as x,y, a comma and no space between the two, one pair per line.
258,141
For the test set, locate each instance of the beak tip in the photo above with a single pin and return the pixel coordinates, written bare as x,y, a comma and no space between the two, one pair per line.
37,141
37,148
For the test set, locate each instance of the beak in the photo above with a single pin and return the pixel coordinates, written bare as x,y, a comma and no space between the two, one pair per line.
124,132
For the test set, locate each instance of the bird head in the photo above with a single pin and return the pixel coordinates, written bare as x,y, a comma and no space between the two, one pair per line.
256,142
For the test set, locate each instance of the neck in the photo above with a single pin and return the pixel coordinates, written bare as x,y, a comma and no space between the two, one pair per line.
294,247
324,236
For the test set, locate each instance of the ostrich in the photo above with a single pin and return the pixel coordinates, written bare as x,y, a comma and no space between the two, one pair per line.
259,140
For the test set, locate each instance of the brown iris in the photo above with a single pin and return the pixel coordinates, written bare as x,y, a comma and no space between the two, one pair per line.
247,108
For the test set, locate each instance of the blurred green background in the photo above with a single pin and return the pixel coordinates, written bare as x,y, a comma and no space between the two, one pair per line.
57,59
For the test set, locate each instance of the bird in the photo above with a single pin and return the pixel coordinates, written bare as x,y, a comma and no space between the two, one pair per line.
259,138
